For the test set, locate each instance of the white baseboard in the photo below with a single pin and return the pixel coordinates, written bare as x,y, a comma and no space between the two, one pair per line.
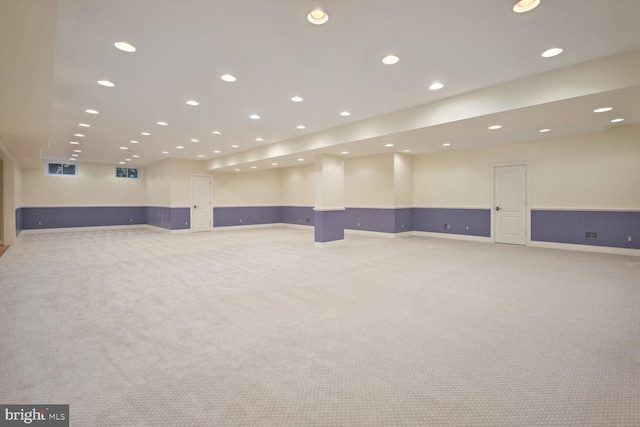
298,226
584,248
329,244
246,227
453,236
378,233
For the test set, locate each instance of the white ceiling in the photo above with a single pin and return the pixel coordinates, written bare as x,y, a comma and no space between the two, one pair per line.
54,52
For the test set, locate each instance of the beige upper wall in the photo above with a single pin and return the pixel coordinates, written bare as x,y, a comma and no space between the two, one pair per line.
94,185
369,181
181,172
298,185
158,178
595,171
403,180
259,188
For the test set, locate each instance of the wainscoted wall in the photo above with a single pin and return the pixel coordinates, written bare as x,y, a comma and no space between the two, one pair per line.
169,218
300,215
18,221
434,220
246,215
613,227
64,217
382,220
329,226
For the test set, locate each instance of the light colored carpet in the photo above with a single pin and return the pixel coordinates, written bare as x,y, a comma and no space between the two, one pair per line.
258,327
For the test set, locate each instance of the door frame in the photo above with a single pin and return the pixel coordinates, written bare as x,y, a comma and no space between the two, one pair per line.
194,175
527,165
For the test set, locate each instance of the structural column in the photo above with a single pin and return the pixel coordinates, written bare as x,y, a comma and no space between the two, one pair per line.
329,204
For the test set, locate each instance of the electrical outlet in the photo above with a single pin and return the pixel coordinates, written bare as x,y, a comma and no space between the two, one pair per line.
628,238
467,228
240,220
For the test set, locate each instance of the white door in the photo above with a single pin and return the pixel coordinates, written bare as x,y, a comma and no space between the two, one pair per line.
201,212
510,208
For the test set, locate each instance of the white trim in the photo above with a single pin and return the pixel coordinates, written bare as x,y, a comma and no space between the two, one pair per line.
379,207
88,206
245,206
586,248
330,244
68,229
586,209
527,212
298,226
378,233
453,236
191,209
453,207
328,209
244,227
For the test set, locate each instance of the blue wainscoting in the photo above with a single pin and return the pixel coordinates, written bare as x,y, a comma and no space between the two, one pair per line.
329,226
434,219
64,217
168,218
382,220
300,215
18,221
246,215
613,227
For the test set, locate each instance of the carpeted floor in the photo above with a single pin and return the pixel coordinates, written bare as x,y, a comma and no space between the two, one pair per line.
259,327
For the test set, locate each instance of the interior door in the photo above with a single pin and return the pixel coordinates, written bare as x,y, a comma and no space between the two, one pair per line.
510,210
201,212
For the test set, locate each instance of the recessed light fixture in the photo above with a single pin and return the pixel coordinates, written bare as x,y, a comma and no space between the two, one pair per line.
259,139
274,164
195,140
446,144
525,5
254,167
237,170
345,114
216,132
406,151
495,127
301,160
235,146
192,102
618,120
84,125
179,147
317,17
122,163
162,123
135,156
77,151
79,135
73,158
125,47
105,83
216,151
297,99
201,155
544,130
436,86
74,142
390,60
388,145
165,152
550,53
145,133
92,111
344,152
254,117
228,78
75,155
301,127
133,141
602,110
123,148
127,160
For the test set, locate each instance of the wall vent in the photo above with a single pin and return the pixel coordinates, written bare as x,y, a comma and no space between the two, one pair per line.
447,226
593,235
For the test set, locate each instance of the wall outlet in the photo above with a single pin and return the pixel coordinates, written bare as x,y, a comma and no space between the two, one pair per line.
240,220
447,226
467,228
628,238
39,223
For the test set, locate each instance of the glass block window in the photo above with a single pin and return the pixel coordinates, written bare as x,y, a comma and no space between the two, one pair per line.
57,168
126,172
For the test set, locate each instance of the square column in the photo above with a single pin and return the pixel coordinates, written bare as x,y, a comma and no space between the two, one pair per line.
329,208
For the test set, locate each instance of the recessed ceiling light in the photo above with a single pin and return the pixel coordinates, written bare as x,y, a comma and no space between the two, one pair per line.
73,158
494,127
192,102
344,152
237,170
300,127
274,164
75,155
254,167
92,111
165,152
406,151
84,125
544,130
345,113
228,78
195,140
79,135
235,146
390,59
127,160
125,47
301,160
216,151
525,5
259,139
317,17
74,142
200,155
77,151
135,156
216,132
162,123
145,133
618,120
297,99
133,141
254,116
122,163
123,148
602,110
549,53
105,83
179,147
446,144
388,145
436,86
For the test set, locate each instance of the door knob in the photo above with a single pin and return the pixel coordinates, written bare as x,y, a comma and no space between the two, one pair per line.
195,207
497,208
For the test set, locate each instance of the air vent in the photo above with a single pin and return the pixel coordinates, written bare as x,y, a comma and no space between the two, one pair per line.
447,226
593,235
